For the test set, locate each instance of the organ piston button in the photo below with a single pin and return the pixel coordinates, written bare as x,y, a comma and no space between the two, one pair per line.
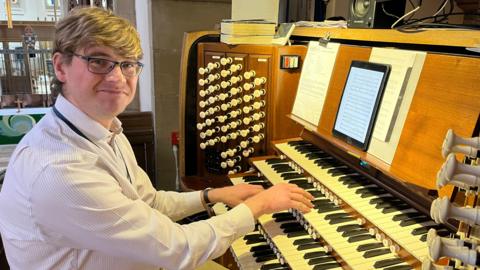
248,74
225,61
259,81
211,65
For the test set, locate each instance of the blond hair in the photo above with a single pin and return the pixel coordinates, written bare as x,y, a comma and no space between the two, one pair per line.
92,26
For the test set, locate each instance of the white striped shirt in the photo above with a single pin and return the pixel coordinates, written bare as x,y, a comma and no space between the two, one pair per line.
74,203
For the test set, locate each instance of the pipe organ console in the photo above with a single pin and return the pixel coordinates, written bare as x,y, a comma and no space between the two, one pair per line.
416,212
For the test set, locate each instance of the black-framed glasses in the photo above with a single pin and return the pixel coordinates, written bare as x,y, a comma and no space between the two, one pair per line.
100,65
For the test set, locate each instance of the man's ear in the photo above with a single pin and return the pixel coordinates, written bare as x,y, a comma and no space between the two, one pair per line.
59,66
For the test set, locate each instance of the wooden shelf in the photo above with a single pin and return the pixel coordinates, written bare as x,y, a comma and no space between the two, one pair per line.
454,38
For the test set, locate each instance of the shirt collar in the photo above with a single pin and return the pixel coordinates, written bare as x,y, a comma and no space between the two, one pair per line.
89,127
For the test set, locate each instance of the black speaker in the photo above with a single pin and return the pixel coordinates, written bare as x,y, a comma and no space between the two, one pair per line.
374,13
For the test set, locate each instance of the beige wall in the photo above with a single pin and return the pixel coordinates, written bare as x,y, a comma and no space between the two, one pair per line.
170,19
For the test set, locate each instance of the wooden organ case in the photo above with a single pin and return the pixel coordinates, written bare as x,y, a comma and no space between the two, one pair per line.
368,214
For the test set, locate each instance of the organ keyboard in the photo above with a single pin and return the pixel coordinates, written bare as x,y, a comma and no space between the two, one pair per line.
367,214
359,224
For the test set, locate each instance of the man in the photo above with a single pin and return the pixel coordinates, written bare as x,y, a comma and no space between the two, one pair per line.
74,196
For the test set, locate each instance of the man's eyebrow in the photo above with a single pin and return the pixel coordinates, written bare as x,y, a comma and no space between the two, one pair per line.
100,54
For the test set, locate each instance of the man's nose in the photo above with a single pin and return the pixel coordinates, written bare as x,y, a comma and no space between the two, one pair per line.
116,73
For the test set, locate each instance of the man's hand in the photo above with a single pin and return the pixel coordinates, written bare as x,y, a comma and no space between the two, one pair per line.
233,195
278,198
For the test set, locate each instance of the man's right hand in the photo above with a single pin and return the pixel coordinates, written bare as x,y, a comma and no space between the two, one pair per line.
278,198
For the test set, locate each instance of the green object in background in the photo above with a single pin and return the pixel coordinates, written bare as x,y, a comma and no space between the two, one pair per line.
14,127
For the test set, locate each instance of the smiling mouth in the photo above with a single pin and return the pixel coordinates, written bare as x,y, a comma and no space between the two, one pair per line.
114,92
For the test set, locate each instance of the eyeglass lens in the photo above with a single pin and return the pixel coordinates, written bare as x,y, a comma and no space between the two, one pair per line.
103,66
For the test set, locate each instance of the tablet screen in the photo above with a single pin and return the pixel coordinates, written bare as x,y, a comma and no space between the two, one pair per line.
360,101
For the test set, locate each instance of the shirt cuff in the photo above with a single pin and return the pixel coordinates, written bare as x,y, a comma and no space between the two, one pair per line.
238,220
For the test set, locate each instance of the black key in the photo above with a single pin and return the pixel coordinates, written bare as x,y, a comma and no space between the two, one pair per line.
391,203
302,241
280,165
424,230
340,220
294,229
275,161
370,246
254,241
358,238
322,202
250,178
298,181
306,150
387,262
376,252
340,171
309,246
297,233
253,236
404,216
399,267
354,232
290,225
316,194
306,186
326,209
316,155
283,170
382,199
265,258
395,208
261,253
294,143
285,218
291,175
336,215
349,227
354,185
326,266
315,254
260,248
408,222
315,261
282,214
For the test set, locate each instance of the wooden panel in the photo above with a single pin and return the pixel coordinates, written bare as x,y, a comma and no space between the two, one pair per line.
447,96
458,38
285,81
189,41
339,75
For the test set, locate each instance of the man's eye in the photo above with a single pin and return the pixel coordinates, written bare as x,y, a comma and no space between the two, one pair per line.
129,64
99,62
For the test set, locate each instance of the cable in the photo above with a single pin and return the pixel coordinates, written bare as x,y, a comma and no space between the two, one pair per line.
405,15
441,8
387,13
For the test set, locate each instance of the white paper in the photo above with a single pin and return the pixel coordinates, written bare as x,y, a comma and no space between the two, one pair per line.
385,150
401,62
314,81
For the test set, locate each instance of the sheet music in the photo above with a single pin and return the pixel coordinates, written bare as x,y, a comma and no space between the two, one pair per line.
401,63
413,60
358,102
314,81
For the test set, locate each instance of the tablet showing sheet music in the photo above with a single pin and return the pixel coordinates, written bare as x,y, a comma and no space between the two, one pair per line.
360,102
